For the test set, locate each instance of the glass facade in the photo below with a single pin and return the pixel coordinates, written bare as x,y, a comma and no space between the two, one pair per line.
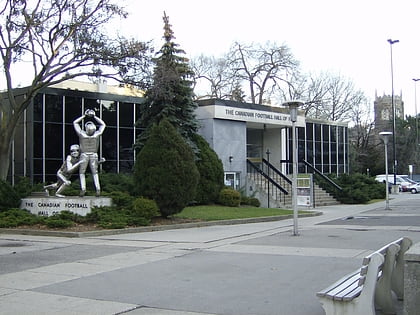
49,132
325,146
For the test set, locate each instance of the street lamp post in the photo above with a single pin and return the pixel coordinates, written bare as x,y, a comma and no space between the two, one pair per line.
385,137
415,108
268,173
392,42
293,106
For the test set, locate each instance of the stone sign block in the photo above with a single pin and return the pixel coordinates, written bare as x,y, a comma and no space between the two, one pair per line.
47,206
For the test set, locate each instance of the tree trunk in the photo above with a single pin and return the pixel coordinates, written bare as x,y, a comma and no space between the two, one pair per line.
5,144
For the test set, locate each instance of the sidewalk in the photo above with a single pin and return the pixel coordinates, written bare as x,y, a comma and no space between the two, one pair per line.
245,269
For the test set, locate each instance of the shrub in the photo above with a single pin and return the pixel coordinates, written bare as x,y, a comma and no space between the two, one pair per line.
229,197
56,222
121,199
210,168
8,196
112,182
165,170
357,188
16,217
108,217
142,211
251,201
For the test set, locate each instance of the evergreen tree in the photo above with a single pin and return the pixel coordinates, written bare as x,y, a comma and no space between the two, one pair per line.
210,168
165,170
171,95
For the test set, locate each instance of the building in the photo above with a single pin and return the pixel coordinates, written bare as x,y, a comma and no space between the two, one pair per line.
383,111
46,131
242,134
240,131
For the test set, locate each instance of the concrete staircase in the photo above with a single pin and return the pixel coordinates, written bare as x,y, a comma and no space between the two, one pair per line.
270,196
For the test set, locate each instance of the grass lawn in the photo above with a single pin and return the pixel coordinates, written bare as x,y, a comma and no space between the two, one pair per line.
215,212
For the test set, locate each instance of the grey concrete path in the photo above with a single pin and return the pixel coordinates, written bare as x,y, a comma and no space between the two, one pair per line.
246,269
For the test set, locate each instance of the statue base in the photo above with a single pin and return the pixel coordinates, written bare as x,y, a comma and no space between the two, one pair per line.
50,205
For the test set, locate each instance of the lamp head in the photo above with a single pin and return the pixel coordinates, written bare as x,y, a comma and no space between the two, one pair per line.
293,105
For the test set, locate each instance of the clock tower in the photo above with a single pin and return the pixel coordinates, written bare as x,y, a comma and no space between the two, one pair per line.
383,111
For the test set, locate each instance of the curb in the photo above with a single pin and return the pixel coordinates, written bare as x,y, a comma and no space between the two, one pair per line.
152,228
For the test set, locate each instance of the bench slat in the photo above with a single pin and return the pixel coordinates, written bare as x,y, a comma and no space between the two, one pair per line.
325,291
344,283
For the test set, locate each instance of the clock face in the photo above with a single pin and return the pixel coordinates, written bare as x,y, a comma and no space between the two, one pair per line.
385,114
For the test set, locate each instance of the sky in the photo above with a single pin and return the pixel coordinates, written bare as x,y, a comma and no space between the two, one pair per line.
346,38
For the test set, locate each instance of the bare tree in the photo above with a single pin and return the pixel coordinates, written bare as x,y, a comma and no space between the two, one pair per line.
331,97
58,40
258,71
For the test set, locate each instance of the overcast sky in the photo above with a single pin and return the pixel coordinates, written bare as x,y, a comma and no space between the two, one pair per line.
344,37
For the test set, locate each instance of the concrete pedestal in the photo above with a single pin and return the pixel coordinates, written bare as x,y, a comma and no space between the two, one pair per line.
47,206
412,281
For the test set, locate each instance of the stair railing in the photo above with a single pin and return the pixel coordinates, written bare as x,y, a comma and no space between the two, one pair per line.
260,176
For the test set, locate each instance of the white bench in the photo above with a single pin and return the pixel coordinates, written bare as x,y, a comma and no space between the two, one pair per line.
371,286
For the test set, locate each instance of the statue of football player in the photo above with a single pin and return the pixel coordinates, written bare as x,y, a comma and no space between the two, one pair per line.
70,165
89,145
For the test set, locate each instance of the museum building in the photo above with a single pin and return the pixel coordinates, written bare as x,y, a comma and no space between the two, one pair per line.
242,134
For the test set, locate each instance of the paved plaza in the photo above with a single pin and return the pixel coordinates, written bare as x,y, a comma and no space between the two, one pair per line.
244,269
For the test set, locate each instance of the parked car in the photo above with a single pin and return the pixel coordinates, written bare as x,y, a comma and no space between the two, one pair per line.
404,183
415,188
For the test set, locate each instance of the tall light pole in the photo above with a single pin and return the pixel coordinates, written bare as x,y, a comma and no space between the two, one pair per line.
392,42
293,106
385,137
415,109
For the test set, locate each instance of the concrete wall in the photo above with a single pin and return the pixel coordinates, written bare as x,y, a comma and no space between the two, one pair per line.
412,280
228,139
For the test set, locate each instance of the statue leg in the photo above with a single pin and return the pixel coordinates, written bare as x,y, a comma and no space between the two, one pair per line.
82,184
82,176
60,189
93,163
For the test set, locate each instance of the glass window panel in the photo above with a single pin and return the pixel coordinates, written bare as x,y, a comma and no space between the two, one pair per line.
126,115
70,138
301,133
38,140
126,144
109,113
52,166
110,166
109,144
38,101
325,133
92,104
53,108
73,108
53,141
326,153
333,133
38,168
309,131
317,132
317,152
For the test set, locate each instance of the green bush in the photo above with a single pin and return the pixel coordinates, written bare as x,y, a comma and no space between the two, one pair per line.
356,188
121,199
16,217
229,197
142,211
8,196
251,201
108,217
211,172
165,170
56,222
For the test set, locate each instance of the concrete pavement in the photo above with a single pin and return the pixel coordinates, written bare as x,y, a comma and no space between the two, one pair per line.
245,269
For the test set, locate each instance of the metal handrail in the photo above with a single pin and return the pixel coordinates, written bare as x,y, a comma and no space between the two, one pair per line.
329,180
267,177
275,170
